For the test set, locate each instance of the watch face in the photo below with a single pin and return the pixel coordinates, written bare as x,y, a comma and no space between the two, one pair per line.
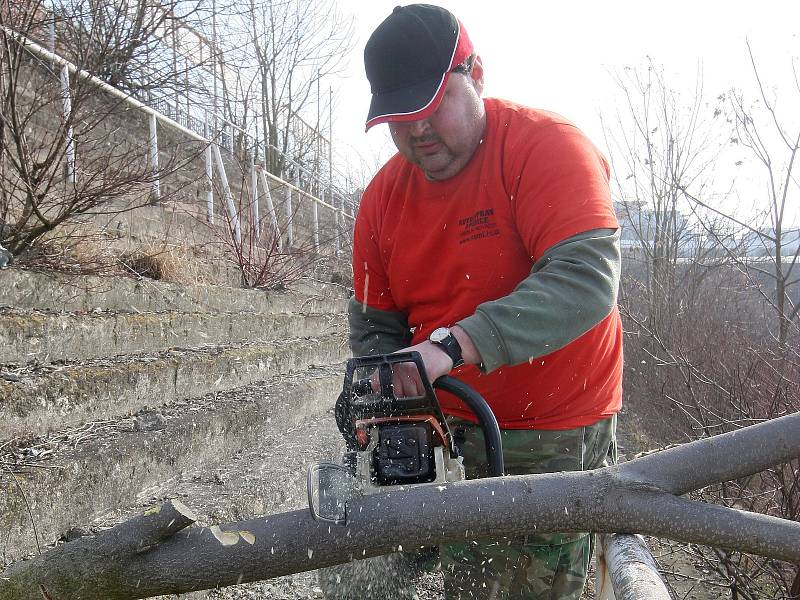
439,334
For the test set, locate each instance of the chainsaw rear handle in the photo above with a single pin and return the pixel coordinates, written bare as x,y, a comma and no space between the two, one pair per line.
362,387
486,419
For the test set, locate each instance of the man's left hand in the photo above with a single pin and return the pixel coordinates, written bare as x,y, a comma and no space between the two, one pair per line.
405,376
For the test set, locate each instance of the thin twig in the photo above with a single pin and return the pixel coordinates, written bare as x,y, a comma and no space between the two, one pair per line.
27,506
23,465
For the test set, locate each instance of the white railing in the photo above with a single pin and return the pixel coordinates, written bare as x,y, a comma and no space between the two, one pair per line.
212,155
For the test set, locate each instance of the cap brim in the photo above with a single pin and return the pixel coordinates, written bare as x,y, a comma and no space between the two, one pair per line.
409,104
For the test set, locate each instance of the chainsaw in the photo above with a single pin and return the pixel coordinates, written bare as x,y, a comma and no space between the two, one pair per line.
394,442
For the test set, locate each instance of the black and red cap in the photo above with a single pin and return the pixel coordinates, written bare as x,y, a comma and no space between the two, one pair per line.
409,59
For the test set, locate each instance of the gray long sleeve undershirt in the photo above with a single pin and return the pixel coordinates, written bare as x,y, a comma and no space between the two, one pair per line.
569,290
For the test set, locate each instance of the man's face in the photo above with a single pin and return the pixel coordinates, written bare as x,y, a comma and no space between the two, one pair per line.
442,144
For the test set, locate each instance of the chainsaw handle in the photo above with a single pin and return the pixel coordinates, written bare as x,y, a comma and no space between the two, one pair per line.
362,387
486,419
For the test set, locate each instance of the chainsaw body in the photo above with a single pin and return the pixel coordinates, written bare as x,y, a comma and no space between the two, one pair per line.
392,441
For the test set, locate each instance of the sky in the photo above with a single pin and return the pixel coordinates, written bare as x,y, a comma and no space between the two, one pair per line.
561,56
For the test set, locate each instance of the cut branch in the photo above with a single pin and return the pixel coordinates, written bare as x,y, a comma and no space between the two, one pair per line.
153,555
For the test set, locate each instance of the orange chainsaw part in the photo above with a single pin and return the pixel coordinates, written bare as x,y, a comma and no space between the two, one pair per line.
362,437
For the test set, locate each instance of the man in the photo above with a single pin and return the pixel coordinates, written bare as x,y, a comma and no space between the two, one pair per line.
493,222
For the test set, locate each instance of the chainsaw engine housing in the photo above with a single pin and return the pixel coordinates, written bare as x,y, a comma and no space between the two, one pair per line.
392,441
395,440
404,454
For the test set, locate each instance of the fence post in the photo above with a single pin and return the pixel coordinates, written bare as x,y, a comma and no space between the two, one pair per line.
336,227
186,91
70,146
271,209
174,40
154,158
342,225
51,33
209,186
226,189
255,225
290,212
209,178
315,213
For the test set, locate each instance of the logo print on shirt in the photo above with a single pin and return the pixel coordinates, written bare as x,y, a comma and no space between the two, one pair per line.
479,225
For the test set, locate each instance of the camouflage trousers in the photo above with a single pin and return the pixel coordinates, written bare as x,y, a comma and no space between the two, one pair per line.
531,567
535,566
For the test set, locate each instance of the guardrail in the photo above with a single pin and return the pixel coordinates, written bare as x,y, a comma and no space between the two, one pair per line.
213,157
190,108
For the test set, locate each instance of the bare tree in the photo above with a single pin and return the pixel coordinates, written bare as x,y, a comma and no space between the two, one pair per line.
774,144
261,250
659,149
125,43
68,147
700,358
297,44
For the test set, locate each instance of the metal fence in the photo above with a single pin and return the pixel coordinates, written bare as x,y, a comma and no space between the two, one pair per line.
307,186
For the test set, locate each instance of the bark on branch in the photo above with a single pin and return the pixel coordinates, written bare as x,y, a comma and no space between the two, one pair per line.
157,553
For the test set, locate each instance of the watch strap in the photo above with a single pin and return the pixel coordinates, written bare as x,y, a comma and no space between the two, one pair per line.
452,348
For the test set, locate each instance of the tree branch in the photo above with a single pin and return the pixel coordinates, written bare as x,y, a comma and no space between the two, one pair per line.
156,553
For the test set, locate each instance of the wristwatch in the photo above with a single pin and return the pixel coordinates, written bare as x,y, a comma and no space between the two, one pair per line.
445,339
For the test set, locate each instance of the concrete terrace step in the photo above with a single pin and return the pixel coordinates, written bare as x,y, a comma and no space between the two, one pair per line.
267,477
103,469
171,221
46,397
27,336
31,290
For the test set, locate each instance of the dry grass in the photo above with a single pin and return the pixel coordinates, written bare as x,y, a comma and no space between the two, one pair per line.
86,249
173,263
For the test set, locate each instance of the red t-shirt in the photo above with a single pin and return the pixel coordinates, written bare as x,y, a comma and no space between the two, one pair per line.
435,250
